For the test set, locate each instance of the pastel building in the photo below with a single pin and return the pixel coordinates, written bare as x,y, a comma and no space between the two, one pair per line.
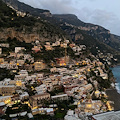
37,100
7,90
39,65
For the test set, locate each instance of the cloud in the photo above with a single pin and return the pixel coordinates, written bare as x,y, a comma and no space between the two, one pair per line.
58,6
55,6
101,17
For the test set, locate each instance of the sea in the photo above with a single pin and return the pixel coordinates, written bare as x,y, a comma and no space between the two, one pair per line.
116,73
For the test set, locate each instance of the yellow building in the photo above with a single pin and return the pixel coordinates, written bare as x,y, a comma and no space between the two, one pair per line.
1,60
18,83
62,61
39,65
48,47
37,99
5,99
7,90
90,106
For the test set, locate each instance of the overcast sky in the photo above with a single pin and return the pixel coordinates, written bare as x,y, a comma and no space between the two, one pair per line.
100,12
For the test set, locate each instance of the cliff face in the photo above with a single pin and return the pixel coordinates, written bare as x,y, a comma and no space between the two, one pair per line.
11,32
25,36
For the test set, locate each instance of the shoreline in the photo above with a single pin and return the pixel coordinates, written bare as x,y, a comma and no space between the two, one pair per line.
113,94
111,66
115,79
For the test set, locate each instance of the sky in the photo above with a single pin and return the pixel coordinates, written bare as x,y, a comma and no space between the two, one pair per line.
101,12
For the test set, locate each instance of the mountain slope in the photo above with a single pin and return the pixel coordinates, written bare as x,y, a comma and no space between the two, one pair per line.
97,32
27,28
55,27
26,8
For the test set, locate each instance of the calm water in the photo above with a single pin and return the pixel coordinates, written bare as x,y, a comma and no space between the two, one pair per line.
116,73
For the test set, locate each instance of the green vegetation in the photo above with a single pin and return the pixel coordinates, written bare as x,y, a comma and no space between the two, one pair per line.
30,88
16,43
4,73
43,117
17,108
50,55
9,18
103,83
63,107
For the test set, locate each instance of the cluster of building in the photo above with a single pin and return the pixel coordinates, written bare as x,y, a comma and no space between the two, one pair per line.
34,86
108,57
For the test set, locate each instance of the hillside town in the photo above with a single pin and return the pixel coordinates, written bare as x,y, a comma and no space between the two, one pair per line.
55,66
69,88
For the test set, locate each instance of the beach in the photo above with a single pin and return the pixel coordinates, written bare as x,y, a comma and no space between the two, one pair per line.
114,96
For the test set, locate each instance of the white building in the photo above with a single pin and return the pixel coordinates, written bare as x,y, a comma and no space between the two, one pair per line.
24,95
60,97
23,73
71,116
41,89
17,49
